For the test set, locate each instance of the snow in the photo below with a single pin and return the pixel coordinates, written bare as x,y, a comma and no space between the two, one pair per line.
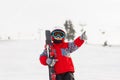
22,25
98,63
19,60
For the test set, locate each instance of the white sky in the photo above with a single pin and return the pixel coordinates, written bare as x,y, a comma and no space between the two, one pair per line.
29,15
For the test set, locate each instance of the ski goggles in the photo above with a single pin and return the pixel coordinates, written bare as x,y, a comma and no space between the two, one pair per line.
59,34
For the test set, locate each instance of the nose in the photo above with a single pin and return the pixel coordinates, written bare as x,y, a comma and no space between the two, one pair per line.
58,36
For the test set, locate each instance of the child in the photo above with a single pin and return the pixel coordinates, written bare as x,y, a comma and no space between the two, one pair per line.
63,67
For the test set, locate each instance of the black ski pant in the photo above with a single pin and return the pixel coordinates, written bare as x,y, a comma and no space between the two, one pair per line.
65,76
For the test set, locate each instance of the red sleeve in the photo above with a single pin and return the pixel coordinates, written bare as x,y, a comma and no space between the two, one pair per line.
43,60
78,41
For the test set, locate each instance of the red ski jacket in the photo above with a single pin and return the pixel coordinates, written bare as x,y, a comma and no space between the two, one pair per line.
62,54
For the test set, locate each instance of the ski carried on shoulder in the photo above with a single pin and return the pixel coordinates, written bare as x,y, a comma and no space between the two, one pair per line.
52,75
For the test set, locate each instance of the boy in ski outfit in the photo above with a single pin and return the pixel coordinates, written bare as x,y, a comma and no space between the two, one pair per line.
63,64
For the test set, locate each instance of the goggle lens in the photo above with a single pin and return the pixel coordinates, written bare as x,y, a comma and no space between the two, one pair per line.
58,34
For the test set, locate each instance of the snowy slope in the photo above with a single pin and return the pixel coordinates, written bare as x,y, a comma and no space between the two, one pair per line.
19,60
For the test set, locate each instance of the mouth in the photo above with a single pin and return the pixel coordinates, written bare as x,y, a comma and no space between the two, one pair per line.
58,38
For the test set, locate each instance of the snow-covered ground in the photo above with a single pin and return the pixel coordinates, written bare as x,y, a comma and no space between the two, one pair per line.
19,60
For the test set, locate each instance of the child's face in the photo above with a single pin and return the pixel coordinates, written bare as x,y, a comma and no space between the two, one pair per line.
58,38
58,35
